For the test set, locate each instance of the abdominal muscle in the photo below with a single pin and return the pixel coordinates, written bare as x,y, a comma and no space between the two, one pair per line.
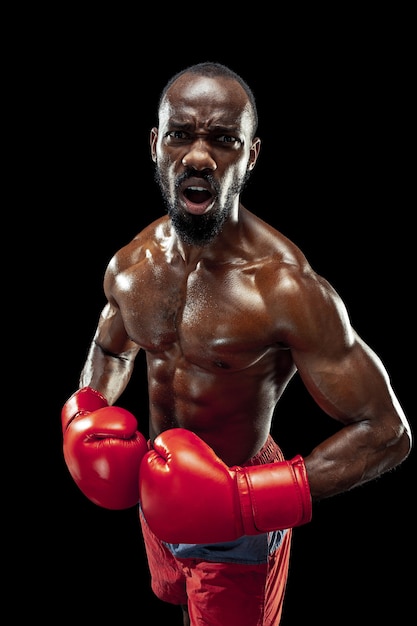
230,410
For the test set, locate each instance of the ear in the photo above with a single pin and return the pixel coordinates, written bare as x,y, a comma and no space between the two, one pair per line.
153,138
254,153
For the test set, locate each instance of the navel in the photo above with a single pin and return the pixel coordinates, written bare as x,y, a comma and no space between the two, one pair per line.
222,365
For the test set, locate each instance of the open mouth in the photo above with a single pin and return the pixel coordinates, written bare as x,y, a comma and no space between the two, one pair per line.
197,195
197,199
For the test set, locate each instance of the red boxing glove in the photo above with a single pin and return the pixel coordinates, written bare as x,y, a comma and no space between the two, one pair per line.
102,449
188,495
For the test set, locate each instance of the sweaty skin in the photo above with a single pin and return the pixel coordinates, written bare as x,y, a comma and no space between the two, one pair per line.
227,324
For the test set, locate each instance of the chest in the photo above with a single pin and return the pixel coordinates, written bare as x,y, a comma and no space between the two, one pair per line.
219,309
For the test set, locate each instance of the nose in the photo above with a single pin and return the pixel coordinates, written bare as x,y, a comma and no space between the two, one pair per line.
199,158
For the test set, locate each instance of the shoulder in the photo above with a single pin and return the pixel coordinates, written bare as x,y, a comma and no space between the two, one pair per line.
266,243
313,312
138,248
305,306
123,264
284,266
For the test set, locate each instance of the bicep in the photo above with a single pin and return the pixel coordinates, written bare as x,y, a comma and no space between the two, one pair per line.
341,372
111,335
347,380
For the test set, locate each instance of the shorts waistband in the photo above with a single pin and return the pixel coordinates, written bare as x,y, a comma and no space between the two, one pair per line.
269,453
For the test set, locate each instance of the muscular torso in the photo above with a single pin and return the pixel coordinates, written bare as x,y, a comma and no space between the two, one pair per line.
216,364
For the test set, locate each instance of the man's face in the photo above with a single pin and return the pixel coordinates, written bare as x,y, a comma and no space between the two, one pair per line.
203,151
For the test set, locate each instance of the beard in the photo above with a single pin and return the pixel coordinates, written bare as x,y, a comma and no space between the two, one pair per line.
198,230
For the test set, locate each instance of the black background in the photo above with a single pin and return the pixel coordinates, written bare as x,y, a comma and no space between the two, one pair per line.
334,175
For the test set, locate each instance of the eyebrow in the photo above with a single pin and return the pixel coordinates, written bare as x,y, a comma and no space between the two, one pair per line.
214,127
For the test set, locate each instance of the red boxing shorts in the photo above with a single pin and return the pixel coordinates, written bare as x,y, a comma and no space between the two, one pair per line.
238,582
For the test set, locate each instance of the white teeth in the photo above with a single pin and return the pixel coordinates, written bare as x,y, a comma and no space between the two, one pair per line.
197,188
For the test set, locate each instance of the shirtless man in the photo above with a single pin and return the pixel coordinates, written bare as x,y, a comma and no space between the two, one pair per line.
228,310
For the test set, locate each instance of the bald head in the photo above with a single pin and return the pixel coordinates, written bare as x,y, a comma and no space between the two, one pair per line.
220,101
211,82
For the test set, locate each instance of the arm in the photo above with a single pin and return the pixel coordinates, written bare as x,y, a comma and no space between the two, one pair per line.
349,382
110,360
101,443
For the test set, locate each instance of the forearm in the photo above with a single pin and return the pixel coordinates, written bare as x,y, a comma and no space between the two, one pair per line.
353,456
107,373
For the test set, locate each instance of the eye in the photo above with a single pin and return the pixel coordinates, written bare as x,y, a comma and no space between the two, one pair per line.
228,139
177,135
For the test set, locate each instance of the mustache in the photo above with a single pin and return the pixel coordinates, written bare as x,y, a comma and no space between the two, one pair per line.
190,173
